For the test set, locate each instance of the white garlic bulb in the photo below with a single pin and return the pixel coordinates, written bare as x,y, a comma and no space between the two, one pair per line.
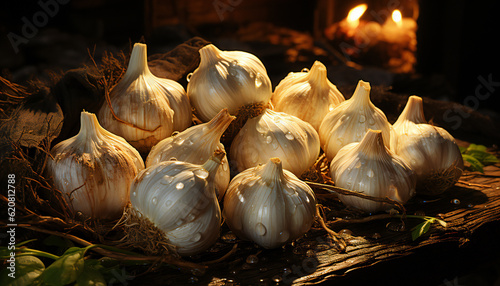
307,95
227,79
430,151
369,167
269,205
195,145
179,199
95,169
276,134
153,107
350,120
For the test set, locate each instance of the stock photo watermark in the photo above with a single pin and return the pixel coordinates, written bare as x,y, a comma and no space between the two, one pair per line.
31,26
11,226
485,88
222,7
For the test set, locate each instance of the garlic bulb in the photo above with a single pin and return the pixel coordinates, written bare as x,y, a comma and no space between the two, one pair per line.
153,107
95,169
307,95
269,205
369,167
227,79
195,145
430,151
179,199
276,134
349,121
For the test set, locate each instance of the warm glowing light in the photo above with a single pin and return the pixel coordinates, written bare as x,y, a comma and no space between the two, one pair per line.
356,13
397,17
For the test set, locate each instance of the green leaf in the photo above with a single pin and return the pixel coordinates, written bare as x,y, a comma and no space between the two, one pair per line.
61,243
475,165
64,270
91,275
420,229
475,147
27,269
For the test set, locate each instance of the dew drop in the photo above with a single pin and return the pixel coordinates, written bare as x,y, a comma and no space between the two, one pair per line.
455,201
179,186
196,237
331,107
252,259
172,159
345,231
269,139
287,271
310,253
284,235
277,279
305,70
258,80
134,194
260,229
188,78
362,118
289,136
191,217
371,121
200,173
66,182
370,173
154,200
358,165
339,142
168,179
168,203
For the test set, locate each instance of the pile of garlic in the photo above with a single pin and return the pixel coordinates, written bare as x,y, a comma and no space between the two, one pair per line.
187,174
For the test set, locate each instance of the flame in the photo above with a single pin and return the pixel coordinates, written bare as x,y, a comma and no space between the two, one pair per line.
356,13
397,17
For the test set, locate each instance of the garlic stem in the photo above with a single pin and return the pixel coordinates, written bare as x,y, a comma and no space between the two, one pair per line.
218,125
272,171
372,144
209,55
212,164
138,64
90,129
361,96
317,75
414,110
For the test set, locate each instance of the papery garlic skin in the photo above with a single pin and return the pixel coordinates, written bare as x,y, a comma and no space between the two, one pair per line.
195,145
227,79
307,95
369,167
94,169
350,120
276,134
269,205
154,107
429,150
179,199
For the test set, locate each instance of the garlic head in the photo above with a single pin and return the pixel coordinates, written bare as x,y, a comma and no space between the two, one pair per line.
307,95
269,205
369,167
429,150
94,169
179,199
227,79
350,120
195,145
276,134
150,108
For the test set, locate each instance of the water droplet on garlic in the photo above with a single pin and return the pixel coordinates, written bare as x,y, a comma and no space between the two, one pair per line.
260,229
179,186
269,139
154,200
188,77
201,173
361,119
289,136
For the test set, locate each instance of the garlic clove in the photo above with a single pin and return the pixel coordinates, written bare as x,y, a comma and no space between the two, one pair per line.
430,151
227,79
369,167
307,95
148,108
275,134
350,120
269,205
179,199
195,145
94,169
